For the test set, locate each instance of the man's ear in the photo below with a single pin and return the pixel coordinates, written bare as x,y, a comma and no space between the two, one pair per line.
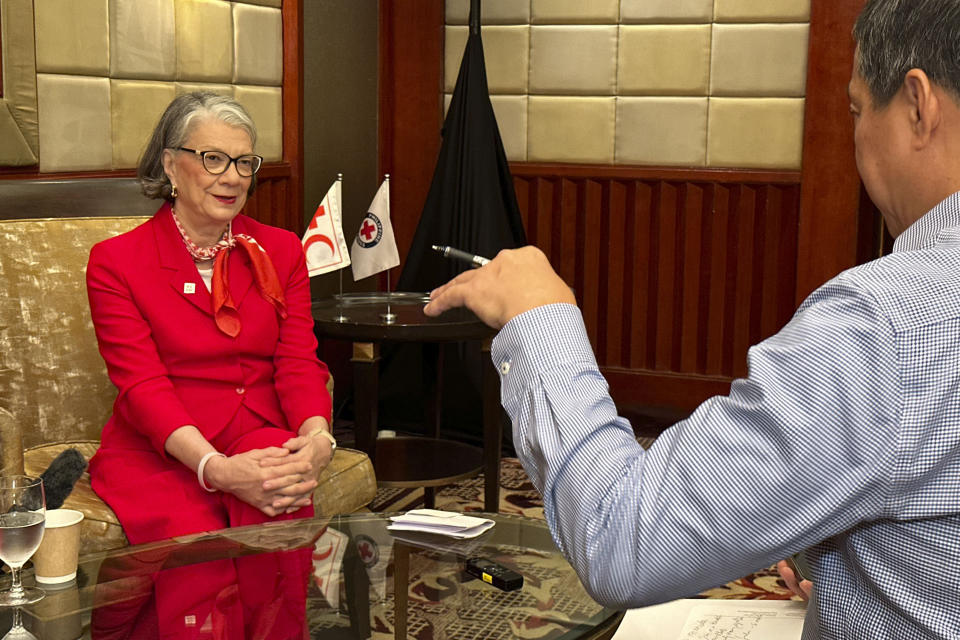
924,106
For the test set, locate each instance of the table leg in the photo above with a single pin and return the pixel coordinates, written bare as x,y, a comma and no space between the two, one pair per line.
433,396
401,569
492,432
433,387
366,384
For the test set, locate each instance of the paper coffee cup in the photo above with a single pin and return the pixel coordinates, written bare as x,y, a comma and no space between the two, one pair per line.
56,559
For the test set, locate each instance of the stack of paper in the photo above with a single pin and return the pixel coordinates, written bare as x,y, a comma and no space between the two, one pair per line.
690,619
446,523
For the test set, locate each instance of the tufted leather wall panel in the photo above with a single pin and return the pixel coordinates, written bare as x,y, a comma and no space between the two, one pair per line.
693,83
86,80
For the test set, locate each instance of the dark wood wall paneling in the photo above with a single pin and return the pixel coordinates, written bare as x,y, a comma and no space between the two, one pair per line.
273,201
677,271
278,199
290,216
832,232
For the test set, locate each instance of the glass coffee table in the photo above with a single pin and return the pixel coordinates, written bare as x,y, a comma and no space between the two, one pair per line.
342,577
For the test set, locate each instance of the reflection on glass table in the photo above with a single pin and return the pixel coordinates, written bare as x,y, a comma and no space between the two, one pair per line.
344,577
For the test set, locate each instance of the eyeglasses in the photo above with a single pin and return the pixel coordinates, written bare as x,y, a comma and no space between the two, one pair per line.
217,162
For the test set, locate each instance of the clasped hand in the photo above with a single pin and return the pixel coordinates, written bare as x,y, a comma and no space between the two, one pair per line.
275,480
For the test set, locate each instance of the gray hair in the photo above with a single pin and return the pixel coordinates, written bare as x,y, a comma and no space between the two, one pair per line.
175,127
895,36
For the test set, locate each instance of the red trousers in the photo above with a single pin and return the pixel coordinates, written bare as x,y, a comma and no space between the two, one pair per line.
259,596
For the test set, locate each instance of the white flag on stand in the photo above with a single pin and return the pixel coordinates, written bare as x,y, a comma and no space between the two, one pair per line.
375,249
323,243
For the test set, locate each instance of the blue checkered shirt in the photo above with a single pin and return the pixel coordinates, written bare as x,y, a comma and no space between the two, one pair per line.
844,439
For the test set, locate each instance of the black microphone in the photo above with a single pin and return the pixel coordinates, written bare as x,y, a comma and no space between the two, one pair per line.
61,476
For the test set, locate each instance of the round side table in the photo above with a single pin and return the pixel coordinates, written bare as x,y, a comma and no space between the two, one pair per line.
368,320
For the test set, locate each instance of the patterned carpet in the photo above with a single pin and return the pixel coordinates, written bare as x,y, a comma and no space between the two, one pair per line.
518,496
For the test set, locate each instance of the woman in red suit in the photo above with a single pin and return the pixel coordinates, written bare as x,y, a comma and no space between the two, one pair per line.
203,318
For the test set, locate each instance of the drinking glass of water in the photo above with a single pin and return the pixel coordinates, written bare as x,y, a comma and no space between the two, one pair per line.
22,514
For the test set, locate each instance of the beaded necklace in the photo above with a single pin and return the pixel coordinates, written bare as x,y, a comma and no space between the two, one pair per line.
198,253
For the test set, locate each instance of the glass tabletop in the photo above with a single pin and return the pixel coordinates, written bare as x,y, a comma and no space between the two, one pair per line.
342,577
363,316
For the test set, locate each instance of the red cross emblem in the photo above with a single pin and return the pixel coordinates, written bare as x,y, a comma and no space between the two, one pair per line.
368,550
371,231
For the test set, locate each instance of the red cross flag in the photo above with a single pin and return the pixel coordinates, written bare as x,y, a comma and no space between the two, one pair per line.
375,249
323,242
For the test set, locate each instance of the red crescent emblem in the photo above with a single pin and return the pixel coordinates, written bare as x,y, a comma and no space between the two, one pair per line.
319,238
323,555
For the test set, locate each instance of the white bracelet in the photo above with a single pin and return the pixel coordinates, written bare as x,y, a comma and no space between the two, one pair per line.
326,434
203,463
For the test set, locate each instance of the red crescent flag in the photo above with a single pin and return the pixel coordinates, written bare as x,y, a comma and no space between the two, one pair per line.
323,243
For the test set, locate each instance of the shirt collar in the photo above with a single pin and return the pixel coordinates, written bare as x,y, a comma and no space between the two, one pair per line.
931,227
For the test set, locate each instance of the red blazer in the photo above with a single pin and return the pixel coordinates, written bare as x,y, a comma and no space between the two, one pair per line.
170,363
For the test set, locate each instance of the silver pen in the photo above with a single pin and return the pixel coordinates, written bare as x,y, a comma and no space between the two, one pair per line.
457,254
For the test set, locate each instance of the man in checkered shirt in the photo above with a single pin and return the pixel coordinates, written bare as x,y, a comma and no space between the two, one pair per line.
852,410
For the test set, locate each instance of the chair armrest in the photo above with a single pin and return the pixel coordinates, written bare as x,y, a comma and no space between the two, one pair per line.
346,485
11,444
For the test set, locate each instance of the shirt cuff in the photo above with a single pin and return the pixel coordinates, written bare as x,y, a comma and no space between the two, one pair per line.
539,340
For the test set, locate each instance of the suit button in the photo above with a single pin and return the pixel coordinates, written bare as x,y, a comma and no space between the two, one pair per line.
241,391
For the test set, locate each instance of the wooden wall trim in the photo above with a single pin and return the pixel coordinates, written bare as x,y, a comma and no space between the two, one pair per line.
386,88
292,15
411,108
33,173
672,174
268,170
830,195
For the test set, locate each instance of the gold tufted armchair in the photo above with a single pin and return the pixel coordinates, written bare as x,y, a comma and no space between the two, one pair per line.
54,389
